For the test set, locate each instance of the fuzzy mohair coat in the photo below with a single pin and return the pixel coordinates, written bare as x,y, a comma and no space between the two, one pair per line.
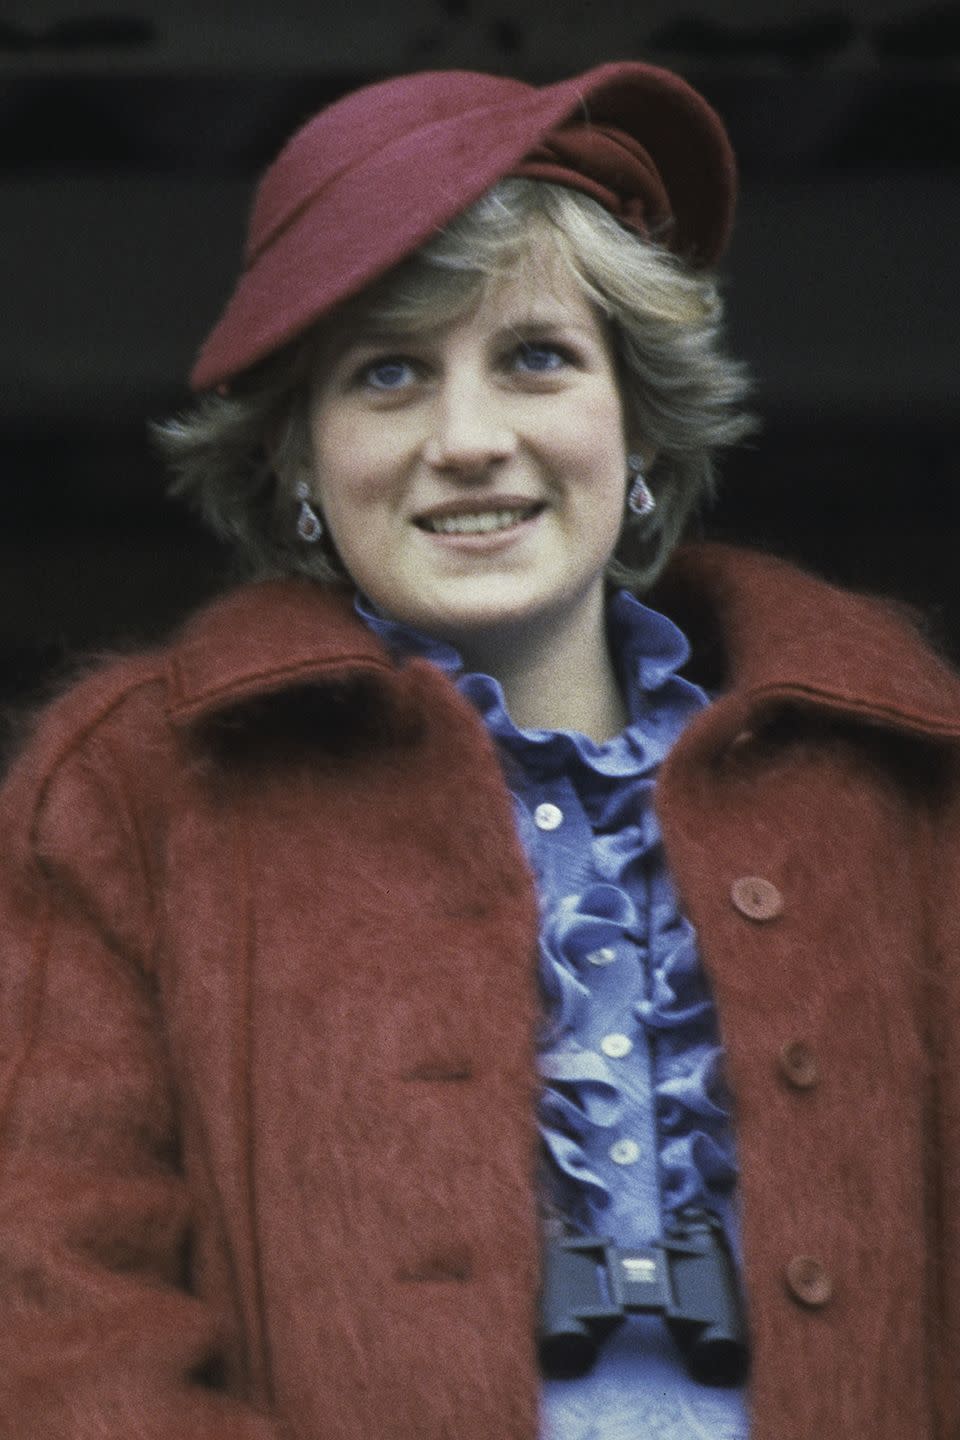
268,1010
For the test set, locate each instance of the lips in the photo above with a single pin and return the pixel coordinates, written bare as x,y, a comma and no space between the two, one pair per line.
470,517
482,522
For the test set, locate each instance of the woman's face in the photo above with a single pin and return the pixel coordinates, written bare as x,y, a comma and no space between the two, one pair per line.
472,476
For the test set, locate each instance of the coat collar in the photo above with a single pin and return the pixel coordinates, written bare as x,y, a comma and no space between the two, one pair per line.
264,638
780,634
776,632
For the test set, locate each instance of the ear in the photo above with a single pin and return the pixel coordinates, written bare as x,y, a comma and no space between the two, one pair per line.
648,454
288,463
274,444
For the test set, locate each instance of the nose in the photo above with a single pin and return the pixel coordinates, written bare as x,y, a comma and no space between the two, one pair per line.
469,432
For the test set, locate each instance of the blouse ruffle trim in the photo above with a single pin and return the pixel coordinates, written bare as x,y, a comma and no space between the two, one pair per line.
581,1093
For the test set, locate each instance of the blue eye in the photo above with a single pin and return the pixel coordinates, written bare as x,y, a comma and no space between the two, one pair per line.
539,359
390,373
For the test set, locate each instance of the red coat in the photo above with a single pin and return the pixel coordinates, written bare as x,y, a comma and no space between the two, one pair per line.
267,1016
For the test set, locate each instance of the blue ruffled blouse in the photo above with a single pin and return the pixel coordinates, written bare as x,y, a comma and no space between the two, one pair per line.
633,1113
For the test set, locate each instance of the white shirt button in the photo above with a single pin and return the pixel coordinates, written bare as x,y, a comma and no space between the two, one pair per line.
616,1045
604,956
547,816
625,1152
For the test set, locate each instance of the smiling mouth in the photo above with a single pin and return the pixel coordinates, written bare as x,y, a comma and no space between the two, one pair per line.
479,522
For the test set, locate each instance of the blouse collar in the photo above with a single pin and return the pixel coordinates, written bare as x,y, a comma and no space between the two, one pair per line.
648,650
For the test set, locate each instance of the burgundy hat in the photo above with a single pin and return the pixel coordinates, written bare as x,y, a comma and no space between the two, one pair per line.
368,180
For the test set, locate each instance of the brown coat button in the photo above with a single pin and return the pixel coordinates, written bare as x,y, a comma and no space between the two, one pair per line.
798,1065
808,1281
756,898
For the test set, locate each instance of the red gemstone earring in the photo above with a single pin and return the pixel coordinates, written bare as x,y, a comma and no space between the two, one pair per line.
309,524
640,498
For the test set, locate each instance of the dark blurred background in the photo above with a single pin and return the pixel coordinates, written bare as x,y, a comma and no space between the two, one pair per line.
130,135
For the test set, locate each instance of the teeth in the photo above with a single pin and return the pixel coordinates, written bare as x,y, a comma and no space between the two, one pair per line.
479,524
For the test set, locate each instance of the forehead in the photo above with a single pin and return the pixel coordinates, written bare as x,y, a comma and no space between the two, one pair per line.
535,285
541,288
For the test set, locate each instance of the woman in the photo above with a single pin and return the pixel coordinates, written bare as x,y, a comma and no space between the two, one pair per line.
350,969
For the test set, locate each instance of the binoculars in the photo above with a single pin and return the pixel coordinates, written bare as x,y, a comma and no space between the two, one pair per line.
689,1277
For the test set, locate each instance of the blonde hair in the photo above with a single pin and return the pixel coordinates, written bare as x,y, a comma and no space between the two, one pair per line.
234,455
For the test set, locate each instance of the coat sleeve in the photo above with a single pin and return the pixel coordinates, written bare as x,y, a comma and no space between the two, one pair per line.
103,1334
943,882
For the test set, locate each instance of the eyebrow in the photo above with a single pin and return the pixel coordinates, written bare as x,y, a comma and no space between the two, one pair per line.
385,335
522,324
543,322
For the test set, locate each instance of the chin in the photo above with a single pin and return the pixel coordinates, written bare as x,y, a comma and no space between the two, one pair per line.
480,615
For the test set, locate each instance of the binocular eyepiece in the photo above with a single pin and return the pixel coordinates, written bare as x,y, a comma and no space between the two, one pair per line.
689,1277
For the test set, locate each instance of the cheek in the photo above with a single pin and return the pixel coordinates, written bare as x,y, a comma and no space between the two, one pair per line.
602,470
594,451
347,471
594,427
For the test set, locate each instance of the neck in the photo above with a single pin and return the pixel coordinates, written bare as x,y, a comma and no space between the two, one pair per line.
555,677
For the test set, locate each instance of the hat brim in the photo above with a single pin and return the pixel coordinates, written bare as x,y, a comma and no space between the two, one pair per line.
374,214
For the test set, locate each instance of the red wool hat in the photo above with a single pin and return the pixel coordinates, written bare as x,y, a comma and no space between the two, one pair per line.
370,179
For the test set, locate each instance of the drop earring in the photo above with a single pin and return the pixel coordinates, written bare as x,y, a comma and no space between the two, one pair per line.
641,500
309,524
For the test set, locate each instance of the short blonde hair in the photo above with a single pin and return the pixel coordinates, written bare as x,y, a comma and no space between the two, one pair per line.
234,455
